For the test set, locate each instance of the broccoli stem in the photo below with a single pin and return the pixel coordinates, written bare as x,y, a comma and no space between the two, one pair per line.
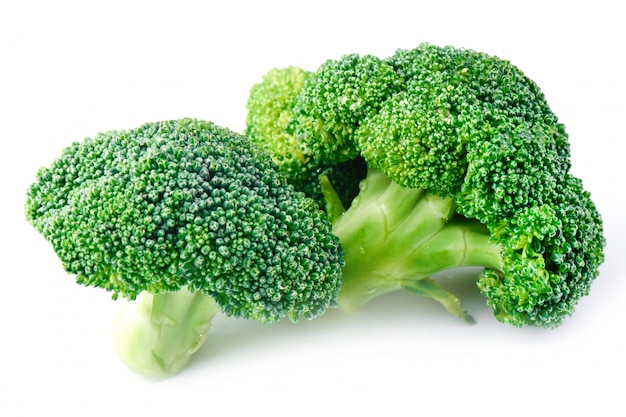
396,238
156,335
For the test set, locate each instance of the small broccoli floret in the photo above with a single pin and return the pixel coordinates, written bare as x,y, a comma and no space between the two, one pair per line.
271,110
336,99
414,141
559,245
186,205
467,165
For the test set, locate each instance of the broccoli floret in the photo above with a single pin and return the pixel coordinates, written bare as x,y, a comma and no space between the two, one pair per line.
559,245
467,165
271,110
336,99
188,218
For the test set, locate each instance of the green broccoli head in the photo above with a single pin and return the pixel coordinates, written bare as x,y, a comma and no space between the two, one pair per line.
459,123
186,203
444,126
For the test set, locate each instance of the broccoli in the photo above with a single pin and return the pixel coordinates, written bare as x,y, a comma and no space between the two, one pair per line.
466,166
184,219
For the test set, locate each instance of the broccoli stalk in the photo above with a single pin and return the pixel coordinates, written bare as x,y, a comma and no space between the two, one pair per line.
396,238
157,334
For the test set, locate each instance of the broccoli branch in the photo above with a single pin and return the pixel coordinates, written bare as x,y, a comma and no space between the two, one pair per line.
396,238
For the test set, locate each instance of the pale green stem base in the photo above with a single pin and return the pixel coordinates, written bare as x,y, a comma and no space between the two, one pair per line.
156,335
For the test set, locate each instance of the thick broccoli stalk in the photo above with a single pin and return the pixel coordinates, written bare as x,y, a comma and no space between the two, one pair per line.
396,238
184,214
157,334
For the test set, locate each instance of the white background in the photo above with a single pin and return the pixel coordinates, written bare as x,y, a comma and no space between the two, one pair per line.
72,69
